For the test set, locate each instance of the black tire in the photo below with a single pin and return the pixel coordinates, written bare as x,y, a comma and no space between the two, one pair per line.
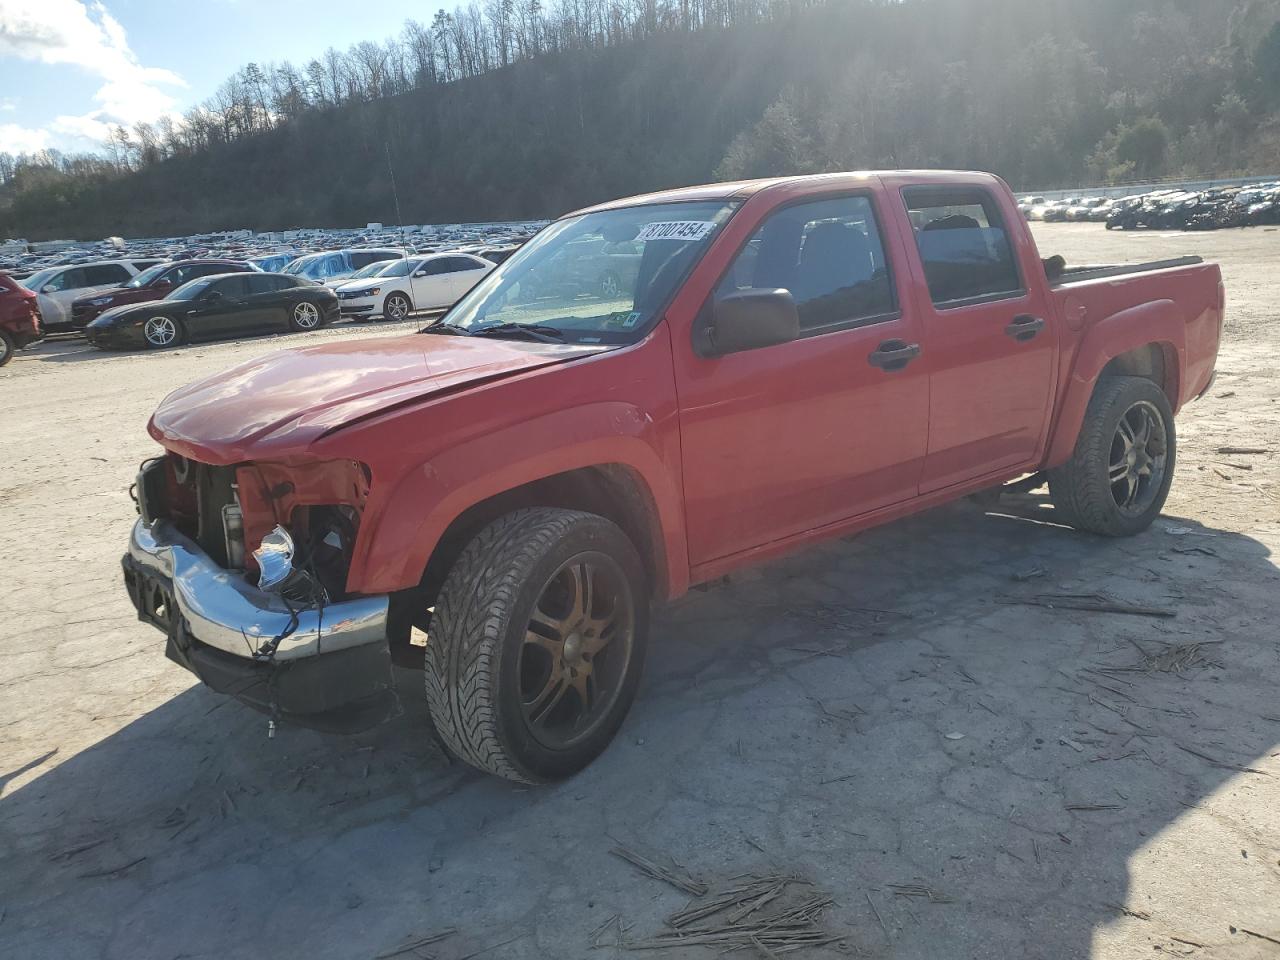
7,347
154,340
391,310
477,668
1082,489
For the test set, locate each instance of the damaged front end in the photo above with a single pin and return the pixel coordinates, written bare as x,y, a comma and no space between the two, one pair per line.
244,569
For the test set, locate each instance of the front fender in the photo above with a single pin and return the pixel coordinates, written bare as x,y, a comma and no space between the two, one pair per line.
1159,322
410,517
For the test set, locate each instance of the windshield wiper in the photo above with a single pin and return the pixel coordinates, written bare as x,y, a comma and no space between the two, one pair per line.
449,329
538,331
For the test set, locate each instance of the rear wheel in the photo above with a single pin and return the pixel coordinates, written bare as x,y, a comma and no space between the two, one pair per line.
161,331
7,347
1118,477
537,642
306,316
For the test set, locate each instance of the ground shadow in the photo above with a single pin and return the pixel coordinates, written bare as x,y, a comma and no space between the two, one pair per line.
891,708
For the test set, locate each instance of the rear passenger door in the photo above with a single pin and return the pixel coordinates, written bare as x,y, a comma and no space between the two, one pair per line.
987,336
787,438
271,299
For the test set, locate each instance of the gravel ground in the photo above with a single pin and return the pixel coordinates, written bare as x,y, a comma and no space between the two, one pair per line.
866,714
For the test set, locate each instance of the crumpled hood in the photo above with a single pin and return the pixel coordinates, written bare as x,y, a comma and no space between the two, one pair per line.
292,397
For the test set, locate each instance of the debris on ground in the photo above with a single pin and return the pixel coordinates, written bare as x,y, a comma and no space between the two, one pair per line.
1093,602
920,891
675,874
1242,451
1176,657
416,945
771,913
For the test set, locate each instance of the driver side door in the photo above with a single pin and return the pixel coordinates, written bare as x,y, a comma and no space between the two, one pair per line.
784,439
221,310
432,284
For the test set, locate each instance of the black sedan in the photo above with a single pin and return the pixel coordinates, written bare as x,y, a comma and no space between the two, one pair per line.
217,308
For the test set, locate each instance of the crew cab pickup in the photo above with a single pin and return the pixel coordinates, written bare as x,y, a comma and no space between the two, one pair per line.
789,360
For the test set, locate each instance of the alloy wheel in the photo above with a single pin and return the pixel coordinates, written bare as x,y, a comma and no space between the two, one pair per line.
397,308
577,647
160,331
1138,458
306,315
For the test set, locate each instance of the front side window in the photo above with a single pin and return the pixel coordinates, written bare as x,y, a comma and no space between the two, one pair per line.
567,279
107,273
66,280
828,254
963,245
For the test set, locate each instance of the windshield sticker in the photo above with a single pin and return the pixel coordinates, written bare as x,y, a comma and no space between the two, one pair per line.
676,230
632,319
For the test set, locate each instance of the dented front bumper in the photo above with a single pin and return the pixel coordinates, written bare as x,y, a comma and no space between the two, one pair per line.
330,669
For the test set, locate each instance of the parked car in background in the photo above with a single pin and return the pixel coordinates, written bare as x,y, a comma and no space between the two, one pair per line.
497,254
273,262
433,282
332,265
215,308
59,287
151,284
19,317
372,270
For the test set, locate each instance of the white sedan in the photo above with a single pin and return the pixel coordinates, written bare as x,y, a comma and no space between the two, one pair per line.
433,282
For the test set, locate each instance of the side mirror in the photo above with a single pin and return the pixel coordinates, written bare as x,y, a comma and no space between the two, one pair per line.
213,296
48,288
749,319
420,273
163,284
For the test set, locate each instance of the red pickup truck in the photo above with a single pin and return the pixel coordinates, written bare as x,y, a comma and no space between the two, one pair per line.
19,318
791,360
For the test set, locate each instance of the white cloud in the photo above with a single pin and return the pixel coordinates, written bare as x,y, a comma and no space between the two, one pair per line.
8,104
83,35
15,139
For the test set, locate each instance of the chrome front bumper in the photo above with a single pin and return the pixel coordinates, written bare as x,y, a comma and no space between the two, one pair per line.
222,611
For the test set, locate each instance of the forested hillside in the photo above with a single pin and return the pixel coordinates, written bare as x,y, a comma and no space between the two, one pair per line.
513,109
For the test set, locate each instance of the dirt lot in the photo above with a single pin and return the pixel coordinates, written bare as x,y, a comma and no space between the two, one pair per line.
871,713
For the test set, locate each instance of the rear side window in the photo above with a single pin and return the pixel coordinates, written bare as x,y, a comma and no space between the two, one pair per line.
828,253
107,273
963,245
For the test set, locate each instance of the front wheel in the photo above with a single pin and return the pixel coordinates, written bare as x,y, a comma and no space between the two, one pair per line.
1118,477
161,331
536,644
306,316
396,307
7,347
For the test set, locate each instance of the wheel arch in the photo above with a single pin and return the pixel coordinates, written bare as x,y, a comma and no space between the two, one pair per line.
1147,341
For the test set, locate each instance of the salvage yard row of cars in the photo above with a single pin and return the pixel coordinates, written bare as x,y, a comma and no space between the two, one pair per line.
152,303
1251,206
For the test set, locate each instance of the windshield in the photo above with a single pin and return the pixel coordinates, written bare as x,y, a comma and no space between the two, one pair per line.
38,280
191,290
300,265
146,276
598,278
372,270
397,268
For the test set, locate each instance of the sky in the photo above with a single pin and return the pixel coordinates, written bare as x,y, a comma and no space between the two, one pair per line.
69,69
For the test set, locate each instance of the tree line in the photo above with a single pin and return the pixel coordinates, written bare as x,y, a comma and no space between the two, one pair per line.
513,108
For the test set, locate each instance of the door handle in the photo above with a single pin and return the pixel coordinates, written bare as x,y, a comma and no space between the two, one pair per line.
893,355
1024,328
